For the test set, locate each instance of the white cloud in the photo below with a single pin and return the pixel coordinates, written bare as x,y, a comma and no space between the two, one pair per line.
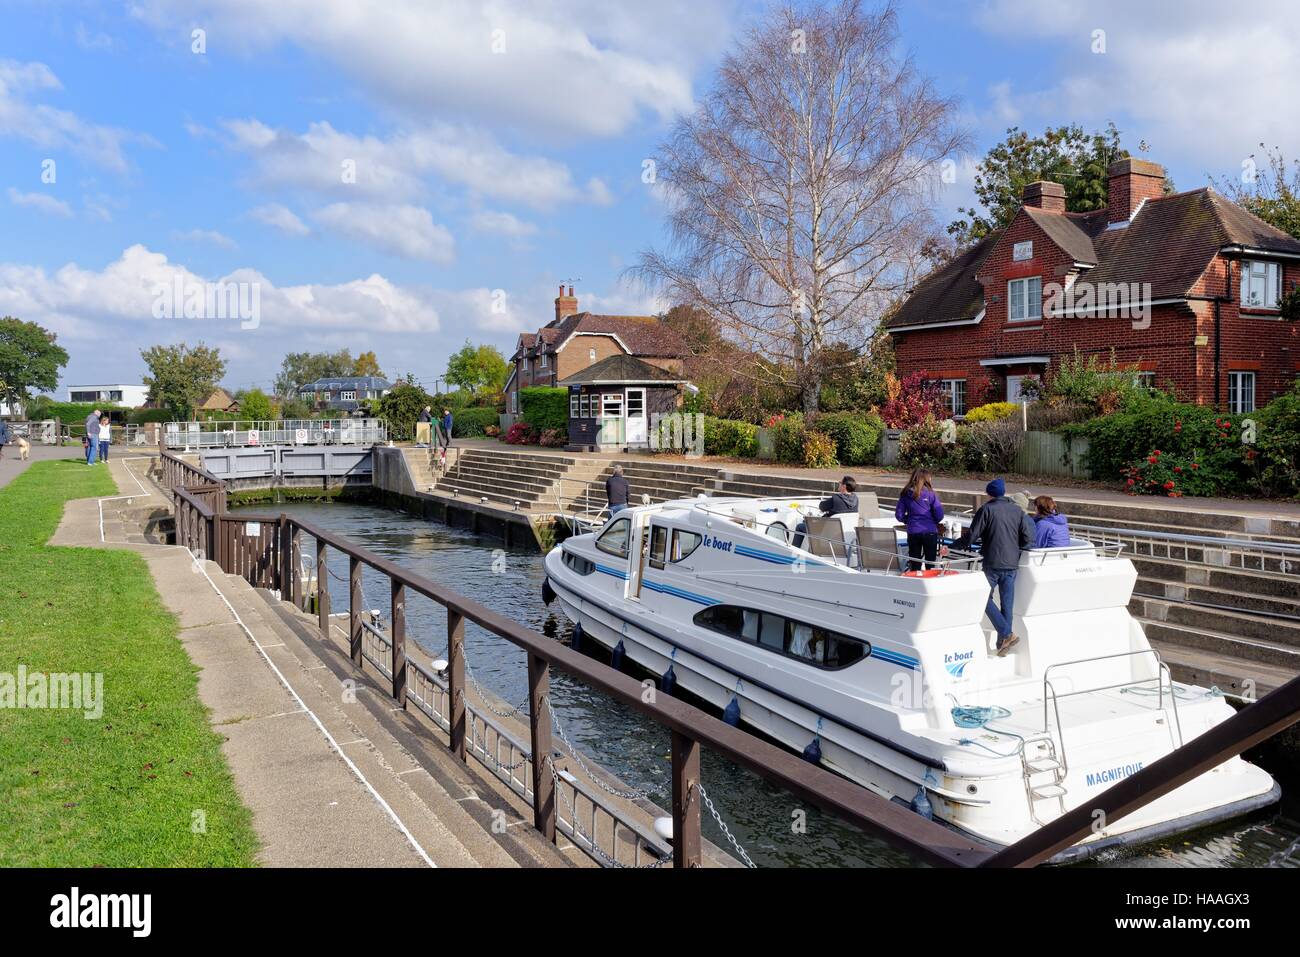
41,202
92,41
206,236
572,66
55,129
406,231
1172,67
502,224
281,218
323,159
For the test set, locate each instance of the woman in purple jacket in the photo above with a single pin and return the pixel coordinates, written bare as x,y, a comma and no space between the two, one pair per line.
1050,527
920,510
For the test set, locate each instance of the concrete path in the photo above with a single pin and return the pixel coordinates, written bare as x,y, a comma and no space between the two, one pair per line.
327,786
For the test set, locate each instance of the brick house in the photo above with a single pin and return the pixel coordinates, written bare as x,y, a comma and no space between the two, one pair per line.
644,355
1183,288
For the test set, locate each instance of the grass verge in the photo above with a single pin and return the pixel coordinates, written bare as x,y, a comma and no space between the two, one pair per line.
143,785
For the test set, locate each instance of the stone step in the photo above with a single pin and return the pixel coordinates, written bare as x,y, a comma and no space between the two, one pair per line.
1269,629
1232,676
503,491
1217,642
498,479
537,476
1286,606
1249,582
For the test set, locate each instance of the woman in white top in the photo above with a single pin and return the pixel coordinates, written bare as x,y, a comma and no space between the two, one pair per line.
105,436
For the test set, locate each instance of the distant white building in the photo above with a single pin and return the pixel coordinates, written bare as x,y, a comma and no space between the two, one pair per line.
129,396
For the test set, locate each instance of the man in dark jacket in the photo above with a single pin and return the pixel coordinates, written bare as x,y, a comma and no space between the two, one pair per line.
843,500
422,436
616,491
92,436
4,437
1003,530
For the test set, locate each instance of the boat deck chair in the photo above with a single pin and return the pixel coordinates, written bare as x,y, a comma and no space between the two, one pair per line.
877,549
868,506
825,538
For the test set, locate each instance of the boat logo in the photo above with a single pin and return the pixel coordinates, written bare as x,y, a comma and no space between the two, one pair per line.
956,663
718,543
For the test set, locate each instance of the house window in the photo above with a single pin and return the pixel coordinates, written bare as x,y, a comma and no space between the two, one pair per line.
542,362
1025,299
1241,392
528,364
1261,284
954,395
584,409
612,405
347,396
591,355
573,405
1145,380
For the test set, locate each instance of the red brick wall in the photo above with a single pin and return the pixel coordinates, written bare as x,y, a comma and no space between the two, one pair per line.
1167,347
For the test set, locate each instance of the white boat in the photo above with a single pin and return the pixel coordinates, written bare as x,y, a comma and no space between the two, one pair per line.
891,675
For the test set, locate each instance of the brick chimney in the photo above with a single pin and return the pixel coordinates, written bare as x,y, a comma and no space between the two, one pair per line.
1046,195
565,305
1130,181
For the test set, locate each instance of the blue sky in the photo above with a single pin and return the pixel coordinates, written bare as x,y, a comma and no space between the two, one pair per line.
484,177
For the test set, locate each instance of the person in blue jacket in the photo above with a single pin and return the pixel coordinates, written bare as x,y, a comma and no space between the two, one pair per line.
920,510
1050,527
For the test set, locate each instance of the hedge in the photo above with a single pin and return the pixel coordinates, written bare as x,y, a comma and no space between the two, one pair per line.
731,438
545,407
472,422
856,435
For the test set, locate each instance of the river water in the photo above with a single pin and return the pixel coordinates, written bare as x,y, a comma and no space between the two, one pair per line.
770,824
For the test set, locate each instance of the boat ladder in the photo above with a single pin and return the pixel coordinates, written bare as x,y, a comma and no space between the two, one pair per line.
1044,770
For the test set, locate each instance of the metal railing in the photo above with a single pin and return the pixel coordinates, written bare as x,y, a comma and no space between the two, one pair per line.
200,435
266,551
1227,553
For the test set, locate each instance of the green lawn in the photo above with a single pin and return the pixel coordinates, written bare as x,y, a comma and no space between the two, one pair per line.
121,790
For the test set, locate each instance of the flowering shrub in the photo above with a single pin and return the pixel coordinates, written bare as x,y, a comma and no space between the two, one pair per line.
521,433
1169,474
911,401
992,412
819,451
492,431
554,438
926,445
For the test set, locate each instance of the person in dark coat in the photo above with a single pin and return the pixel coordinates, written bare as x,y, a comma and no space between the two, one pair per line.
92,436
1050,527
1003,530
446,428
843,500
920,510
616,490
4,436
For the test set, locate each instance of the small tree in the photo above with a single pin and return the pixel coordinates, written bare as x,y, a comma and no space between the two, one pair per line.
255,406
1272,193
912,401
29,360
180,378
402,407
478,368
367,364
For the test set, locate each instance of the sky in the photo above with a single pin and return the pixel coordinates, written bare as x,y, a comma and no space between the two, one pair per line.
401,176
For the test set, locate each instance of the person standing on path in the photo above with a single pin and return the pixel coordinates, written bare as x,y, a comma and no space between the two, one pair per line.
92,436
616,491
422,426
1003,530
446,428
105,437
4,437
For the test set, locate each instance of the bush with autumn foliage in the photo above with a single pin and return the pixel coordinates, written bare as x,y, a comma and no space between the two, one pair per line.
911,401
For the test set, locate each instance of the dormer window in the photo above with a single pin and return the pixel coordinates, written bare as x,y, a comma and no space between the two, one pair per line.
1261,284
1025,299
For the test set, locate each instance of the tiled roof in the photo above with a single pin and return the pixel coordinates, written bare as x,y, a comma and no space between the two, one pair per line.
1169,243
346,383
950,292
620,368
642,335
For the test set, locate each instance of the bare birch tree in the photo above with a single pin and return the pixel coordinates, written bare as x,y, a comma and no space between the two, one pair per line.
801,188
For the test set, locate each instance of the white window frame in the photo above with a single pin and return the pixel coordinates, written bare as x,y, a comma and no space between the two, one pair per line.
1261,284
610,400
584,407
1145,380
573,405
949,387
349,396
542,363
1018,294
1239,401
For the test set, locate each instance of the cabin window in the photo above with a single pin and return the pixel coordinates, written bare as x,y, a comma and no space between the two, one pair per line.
579,564
658,545
612,405
779,532
573,405
684,543
1025,299
615,537
1261,284
811,644
584,406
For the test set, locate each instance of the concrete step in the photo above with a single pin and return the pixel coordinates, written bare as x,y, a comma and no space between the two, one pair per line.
1221,643
1229,599
1227,579
1232,676
499,480
1264,628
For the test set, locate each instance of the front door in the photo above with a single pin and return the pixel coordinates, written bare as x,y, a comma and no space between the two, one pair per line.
636,421
1013,388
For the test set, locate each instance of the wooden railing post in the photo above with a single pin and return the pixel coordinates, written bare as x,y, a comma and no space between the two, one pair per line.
399,642
686,801
539,726
456,681
295,563
356,616
322,589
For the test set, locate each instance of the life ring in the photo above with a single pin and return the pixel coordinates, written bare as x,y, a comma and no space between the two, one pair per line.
929,573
